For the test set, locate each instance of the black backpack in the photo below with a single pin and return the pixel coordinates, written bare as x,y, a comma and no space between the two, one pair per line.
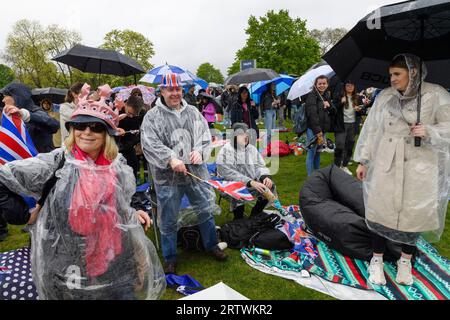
259,231
300,121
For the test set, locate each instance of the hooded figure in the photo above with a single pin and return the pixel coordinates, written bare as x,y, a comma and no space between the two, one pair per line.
406,188
87,242
240,161
40,125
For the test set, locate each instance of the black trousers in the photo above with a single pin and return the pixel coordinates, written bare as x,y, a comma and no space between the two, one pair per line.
379,245
344,145
257,209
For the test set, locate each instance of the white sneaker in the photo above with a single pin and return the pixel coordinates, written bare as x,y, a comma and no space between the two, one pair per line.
376,271
404,275
346,170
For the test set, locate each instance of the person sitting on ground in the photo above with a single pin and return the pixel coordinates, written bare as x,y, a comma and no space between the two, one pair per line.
239,160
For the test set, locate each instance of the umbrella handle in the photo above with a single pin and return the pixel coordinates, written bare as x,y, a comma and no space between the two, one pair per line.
417,141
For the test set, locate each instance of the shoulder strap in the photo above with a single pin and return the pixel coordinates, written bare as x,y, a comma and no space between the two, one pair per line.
48,186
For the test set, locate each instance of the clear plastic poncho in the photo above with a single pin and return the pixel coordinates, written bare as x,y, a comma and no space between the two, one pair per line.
406,189
87,242
165,134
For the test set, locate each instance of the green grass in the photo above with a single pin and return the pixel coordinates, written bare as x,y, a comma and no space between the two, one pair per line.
235,272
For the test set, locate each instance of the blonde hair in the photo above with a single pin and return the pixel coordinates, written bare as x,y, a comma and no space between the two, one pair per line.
110,152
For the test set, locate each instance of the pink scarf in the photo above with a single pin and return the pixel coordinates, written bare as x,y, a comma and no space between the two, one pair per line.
93,214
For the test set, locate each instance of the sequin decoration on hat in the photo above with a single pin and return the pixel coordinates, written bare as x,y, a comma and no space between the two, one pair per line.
98,109
171,80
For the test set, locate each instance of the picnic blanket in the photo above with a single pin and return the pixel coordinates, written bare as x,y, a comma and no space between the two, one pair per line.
16,282
431,271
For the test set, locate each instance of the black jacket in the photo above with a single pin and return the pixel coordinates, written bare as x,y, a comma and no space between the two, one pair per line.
338,119
41,126
319,119
237,115
128,141
13,208
190,99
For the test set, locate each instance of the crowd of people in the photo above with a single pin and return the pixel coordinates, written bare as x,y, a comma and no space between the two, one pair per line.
89,155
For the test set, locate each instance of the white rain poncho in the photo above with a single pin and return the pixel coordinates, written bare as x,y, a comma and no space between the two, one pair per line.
406,189
165,134
83,251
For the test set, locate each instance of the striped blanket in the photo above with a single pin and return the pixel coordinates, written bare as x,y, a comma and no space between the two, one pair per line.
431,271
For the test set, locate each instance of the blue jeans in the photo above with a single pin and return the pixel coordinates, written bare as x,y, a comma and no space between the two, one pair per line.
169,201
270,117
313,157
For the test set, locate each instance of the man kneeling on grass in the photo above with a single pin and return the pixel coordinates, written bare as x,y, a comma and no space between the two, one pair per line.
239,160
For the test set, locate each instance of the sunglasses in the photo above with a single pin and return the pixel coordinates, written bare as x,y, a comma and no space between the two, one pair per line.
94,127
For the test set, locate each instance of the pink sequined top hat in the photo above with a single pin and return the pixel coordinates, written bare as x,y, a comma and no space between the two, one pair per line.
89,111
171,80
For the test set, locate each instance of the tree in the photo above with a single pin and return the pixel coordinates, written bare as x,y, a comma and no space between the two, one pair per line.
278,42
327,38
57,41
6,75
207,72
26,53
29,48
132,44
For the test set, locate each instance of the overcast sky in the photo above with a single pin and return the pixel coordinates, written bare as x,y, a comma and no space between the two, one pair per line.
184,33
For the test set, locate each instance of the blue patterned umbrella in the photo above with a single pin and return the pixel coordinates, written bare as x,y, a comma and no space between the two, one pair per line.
282,83
155,75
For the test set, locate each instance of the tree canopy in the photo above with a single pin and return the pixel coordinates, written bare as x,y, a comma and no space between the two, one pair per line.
207,72
278,42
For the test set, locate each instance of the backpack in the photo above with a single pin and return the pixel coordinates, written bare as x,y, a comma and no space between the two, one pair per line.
240,233
300,121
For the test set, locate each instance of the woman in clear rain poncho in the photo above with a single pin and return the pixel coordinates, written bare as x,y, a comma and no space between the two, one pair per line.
87,242
406,188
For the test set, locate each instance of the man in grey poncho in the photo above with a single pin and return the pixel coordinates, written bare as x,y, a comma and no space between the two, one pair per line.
176,140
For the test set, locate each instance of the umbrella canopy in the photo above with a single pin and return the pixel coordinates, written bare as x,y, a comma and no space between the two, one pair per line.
251,75
306,82
155,75
55,95
282,83
100,61
419,27
148,93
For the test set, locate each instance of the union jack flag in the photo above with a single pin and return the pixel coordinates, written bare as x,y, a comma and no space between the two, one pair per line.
15,142
236,190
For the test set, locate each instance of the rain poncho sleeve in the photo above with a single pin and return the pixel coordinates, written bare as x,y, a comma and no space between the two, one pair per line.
156,152
245,165
406,189
27,177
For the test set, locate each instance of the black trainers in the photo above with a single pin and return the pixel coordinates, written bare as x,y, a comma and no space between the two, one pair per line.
170,267
218,254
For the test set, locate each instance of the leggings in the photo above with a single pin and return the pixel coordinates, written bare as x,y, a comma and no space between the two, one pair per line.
379,245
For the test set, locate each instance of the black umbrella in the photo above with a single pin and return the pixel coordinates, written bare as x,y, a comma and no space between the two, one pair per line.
55,95
420,27
100,61
251,75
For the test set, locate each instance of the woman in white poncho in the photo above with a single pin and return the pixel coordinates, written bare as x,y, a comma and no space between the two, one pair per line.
406,188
